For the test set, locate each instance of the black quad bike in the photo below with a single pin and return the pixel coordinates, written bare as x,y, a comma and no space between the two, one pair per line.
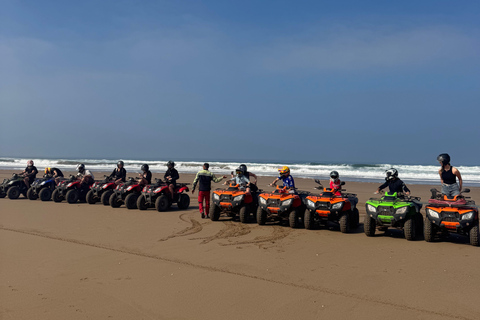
13,187
42,188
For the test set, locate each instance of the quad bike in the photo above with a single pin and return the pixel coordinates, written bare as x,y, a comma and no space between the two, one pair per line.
101,191
13,187
233,201
42,188
126,193
325,207
71,190
454,214
158,196
281,205
394,210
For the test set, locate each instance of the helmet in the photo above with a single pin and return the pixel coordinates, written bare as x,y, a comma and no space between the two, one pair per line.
334,175
47,170
30,163
144,167
284,170
80,167
444,158
391,173
170,164
244,167
120,163
240,171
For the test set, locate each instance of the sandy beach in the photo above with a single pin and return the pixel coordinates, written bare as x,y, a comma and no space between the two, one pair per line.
81,261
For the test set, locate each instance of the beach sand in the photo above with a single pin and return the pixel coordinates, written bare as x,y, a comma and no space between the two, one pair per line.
81,261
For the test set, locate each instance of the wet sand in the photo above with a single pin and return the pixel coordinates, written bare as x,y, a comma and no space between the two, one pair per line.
79,261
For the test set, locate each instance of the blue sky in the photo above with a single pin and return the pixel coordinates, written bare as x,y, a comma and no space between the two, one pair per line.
325,81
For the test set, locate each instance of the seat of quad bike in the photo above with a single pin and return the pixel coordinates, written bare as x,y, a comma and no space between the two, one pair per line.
459,201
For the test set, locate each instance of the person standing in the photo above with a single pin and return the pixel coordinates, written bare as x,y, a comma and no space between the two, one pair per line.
448,176
204,179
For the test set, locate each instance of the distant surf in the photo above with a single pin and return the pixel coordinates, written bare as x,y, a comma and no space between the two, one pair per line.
419,174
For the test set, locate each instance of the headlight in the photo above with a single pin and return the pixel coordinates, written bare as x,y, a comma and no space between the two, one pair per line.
144,189
433,214
157,190
336,206
105,186
69,185
401,210
263,201
238,198
311,204
371,208
216,196
129,188
467,216
287,202
43,183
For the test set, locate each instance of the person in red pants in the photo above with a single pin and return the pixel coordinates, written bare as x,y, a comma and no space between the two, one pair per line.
204,179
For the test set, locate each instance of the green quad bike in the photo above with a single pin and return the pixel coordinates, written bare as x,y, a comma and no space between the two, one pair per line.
13,187
394,210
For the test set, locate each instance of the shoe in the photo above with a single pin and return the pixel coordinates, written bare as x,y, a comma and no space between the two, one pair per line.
203,215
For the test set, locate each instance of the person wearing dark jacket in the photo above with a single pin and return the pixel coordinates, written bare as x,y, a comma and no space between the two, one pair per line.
145,176
171,177
393,183
30,173
204,179
119,174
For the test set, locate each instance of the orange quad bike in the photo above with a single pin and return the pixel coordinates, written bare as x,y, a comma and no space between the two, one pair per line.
328,207
233,201
281,205
451,214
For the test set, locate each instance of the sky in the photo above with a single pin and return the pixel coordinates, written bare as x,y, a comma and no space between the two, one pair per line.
324,81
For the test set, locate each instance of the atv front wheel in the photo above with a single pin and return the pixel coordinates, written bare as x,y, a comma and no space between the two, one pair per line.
345,223
183,201
162,203
308,220
115,202
13,192
131,201
2,194
214,212
429,230
90,197
31,194
474,235
141,202
261,216
410,229
72,196
57,196
244,214
293,219
355,219
369,226
105,198
45,194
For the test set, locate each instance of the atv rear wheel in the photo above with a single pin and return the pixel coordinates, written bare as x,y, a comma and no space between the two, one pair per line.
115,201
293,219
474,235
72,196
369,226
244,214
57,196
308,220
141,203
2,194
214,212
131,201
410,229
429,230
345,223
183,201
13,192
31,194
355,219
261,216
105,198
90,197
162,203
45,194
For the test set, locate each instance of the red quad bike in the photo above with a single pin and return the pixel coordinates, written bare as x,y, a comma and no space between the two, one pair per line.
127,194
158,196
101,191
456,214
325,207
70,190
281,205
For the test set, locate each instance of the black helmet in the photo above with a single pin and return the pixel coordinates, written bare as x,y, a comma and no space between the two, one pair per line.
444,158
80,167
334,175
244,168
240,170
144,167
391,173
120,163
170,164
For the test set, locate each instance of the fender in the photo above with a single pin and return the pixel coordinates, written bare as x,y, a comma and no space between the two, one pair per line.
183,189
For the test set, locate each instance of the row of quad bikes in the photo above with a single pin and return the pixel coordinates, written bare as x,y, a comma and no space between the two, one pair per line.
444,215
131,193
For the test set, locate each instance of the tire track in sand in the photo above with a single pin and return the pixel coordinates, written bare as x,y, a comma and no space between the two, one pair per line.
334,292
278,233
195,227
231,230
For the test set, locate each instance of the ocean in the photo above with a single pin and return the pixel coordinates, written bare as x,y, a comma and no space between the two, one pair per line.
415,174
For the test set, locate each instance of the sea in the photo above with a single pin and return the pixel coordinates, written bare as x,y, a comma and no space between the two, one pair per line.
413,174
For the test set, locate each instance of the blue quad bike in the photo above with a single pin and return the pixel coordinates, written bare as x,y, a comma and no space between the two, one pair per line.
42,188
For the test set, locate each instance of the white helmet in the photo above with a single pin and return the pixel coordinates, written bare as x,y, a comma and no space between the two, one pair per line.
30,163
391,173
80,167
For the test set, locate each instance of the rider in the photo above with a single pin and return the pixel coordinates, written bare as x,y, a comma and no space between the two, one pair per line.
119,174
30,173
85,176
242,179
393,183
146,176
335,183
171,177
247,173
448,176
56,173
285,176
